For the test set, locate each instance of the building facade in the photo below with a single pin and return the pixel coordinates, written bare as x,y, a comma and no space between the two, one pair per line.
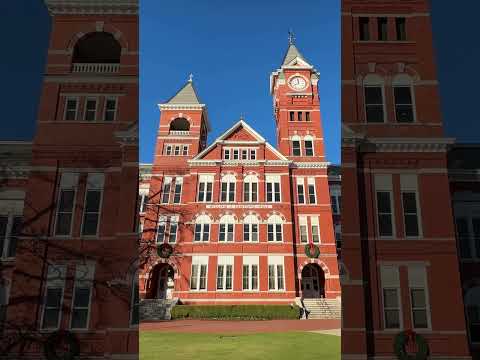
241,221
73,276
398,237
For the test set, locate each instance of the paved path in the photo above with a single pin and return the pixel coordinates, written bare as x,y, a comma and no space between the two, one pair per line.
240,326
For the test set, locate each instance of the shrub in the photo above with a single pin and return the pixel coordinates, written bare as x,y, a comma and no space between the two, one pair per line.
236,312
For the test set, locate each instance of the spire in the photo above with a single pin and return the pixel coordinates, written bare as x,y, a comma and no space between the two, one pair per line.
186,95
292,51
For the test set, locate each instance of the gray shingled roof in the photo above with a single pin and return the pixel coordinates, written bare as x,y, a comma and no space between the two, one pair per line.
291,54
185,95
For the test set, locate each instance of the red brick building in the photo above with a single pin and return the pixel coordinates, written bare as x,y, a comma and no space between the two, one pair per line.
76,254
241,215
399,245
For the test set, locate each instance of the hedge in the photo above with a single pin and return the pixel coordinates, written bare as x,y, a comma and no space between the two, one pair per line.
236,312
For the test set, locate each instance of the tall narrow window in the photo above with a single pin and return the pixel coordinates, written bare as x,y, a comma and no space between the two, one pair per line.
82,296
364,28
403,104
276,279
300,117
71,109
382,24
205,187
110,109
385,216
225,273
65,204
92,207
273,188
400,27
10,229
226,154
168,150
410,213
250,188
303,229
202,228
274,228
177,150
198,278
418,296
185,150
178,190
167,183
227,193
226,228
90,109
307,116
308,146
235,154
244,154
296,148
253,154
161,229
292,116
250,228
374,104
172,229
312,197
315,230
54,289
143,202
390,282
250,273
301,190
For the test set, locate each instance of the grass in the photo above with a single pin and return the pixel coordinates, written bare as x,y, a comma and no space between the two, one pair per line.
253,346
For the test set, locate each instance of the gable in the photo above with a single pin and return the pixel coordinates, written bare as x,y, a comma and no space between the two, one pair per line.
240,134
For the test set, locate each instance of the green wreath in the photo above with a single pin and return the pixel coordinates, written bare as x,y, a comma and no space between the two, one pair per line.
312,250
165,250
403,338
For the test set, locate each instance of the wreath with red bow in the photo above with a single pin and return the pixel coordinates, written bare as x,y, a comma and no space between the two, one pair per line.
165,251
312,250
408,345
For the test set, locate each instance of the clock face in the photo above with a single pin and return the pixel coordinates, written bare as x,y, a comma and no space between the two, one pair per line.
298,83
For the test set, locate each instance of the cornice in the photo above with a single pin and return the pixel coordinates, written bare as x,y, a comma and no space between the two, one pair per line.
311,165
86,7
238,162
181,106
411,144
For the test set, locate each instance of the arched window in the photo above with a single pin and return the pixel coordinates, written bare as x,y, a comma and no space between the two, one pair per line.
250,188
226,231
275,228
296,147
472,304
403,97
308,141
374,98
250,228
180,124
97,47
227,193
202,228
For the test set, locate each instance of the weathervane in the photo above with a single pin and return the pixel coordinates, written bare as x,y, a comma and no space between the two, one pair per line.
190,77
291,37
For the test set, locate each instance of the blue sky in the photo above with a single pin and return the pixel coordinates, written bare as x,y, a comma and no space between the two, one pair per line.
231,48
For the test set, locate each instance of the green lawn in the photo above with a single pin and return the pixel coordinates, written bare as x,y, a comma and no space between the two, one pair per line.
260,346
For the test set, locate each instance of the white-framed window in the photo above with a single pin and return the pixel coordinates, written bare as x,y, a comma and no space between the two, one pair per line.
198,277
374,99
166,187
10,229
244,154
167,229
312,196
273,188
82,293
309,148
90,113
301,190
71,108
227,191
236,154
93,204
110,112
184,150
239,153
226,154
135,302
202,228
143,199
250,278
66,204
177,194
250,228
205,186
403,98
274,228
53,296
335,199
177,150
276,276
225,273
303,225
226,231
410,205
296,146
420,309
391,301
250,188
253,154
384,200
168,150
315,226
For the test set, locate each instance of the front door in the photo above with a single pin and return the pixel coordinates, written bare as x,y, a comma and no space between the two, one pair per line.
162,283
311,282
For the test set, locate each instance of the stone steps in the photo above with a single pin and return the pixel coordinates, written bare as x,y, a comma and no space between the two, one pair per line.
156,309
323,308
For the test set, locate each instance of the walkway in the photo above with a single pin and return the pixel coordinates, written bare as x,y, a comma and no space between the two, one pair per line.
241,326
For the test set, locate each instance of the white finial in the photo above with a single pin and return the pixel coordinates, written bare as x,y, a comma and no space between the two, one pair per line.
291,37
190,77
241,117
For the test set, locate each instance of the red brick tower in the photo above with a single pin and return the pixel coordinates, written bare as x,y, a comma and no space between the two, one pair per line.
398,240
75,264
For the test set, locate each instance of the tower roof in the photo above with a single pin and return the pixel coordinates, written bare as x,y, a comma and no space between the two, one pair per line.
185,96
291,54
